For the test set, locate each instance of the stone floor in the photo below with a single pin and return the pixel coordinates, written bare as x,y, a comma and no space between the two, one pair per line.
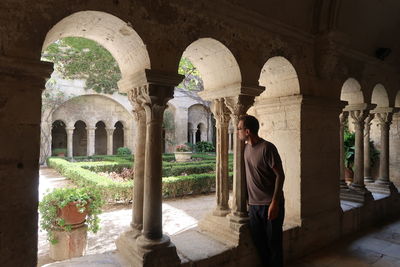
376,247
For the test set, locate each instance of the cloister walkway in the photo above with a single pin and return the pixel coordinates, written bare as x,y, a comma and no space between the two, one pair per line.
379,246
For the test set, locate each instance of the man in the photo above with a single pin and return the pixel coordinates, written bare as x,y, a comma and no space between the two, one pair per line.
264,177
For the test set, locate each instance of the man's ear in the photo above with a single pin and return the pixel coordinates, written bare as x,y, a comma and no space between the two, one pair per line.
247,131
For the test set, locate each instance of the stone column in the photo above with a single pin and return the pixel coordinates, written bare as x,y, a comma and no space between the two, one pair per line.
90,140
70,141
193,131
110,132
140,152
150,247
238,107
357,186
342,118
221,114
383,183
367,158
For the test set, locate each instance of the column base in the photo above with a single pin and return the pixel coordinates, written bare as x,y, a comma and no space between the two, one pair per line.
368,180
356,193
220,211
343,185
383,187
137,250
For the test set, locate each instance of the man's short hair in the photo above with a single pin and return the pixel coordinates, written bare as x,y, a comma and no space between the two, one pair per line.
251,123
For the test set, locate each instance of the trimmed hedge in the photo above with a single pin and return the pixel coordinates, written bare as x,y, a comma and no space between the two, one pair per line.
82,174
112,191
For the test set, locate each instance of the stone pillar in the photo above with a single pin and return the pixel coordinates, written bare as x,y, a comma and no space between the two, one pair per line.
70,141
383,183
140,150
342,118
367,158
193,132
110,132
221,114
358,188
90,140
238,107
150,247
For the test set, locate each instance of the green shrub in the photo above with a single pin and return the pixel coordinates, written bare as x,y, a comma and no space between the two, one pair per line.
58,151
204,147
123,151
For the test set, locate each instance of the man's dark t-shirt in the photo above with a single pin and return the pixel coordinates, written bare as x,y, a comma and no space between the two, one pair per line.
260,177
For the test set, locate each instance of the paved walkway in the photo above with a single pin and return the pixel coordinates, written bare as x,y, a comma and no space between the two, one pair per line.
376,247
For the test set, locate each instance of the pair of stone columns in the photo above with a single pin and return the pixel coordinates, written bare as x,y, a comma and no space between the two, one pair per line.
192,133
224,110
362,165
356,191
145,243
383,184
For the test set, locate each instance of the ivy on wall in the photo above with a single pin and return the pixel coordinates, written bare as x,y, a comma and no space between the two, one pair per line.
80,58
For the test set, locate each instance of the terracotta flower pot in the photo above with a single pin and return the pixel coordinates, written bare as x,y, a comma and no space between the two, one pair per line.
348,175
71,214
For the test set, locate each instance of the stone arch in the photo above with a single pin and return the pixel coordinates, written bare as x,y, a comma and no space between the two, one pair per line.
100,146
215,62
58,135
279,77
351,92
115,35
380,96
80,139
118,136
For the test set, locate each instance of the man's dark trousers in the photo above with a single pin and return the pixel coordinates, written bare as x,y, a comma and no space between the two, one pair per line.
267,234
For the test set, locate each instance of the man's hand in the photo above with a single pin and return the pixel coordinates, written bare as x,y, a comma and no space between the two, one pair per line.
273,210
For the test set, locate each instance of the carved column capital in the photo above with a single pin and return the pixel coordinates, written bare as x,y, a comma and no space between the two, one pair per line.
343,117
359,117
221,112
110,131
384,118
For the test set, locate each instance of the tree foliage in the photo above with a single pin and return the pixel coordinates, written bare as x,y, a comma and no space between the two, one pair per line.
80,58
192,80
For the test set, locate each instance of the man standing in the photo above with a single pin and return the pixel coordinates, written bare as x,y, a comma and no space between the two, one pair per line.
264,177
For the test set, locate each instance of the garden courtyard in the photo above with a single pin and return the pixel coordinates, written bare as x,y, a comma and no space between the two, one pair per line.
179,214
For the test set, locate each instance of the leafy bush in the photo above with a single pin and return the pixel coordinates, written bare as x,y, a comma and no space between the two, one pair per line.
123,151
58,151
204,147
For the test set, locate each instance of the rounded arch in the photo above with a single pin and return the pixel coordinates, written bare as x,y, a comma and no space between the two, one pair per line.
279,77
215,62
380,96
117,36
100,144
58,136
80,139
118,136
351,92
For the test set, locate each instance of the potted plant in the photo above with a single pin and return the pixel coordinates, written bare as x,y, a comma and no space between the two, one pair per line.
183,153
64,209
59,152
